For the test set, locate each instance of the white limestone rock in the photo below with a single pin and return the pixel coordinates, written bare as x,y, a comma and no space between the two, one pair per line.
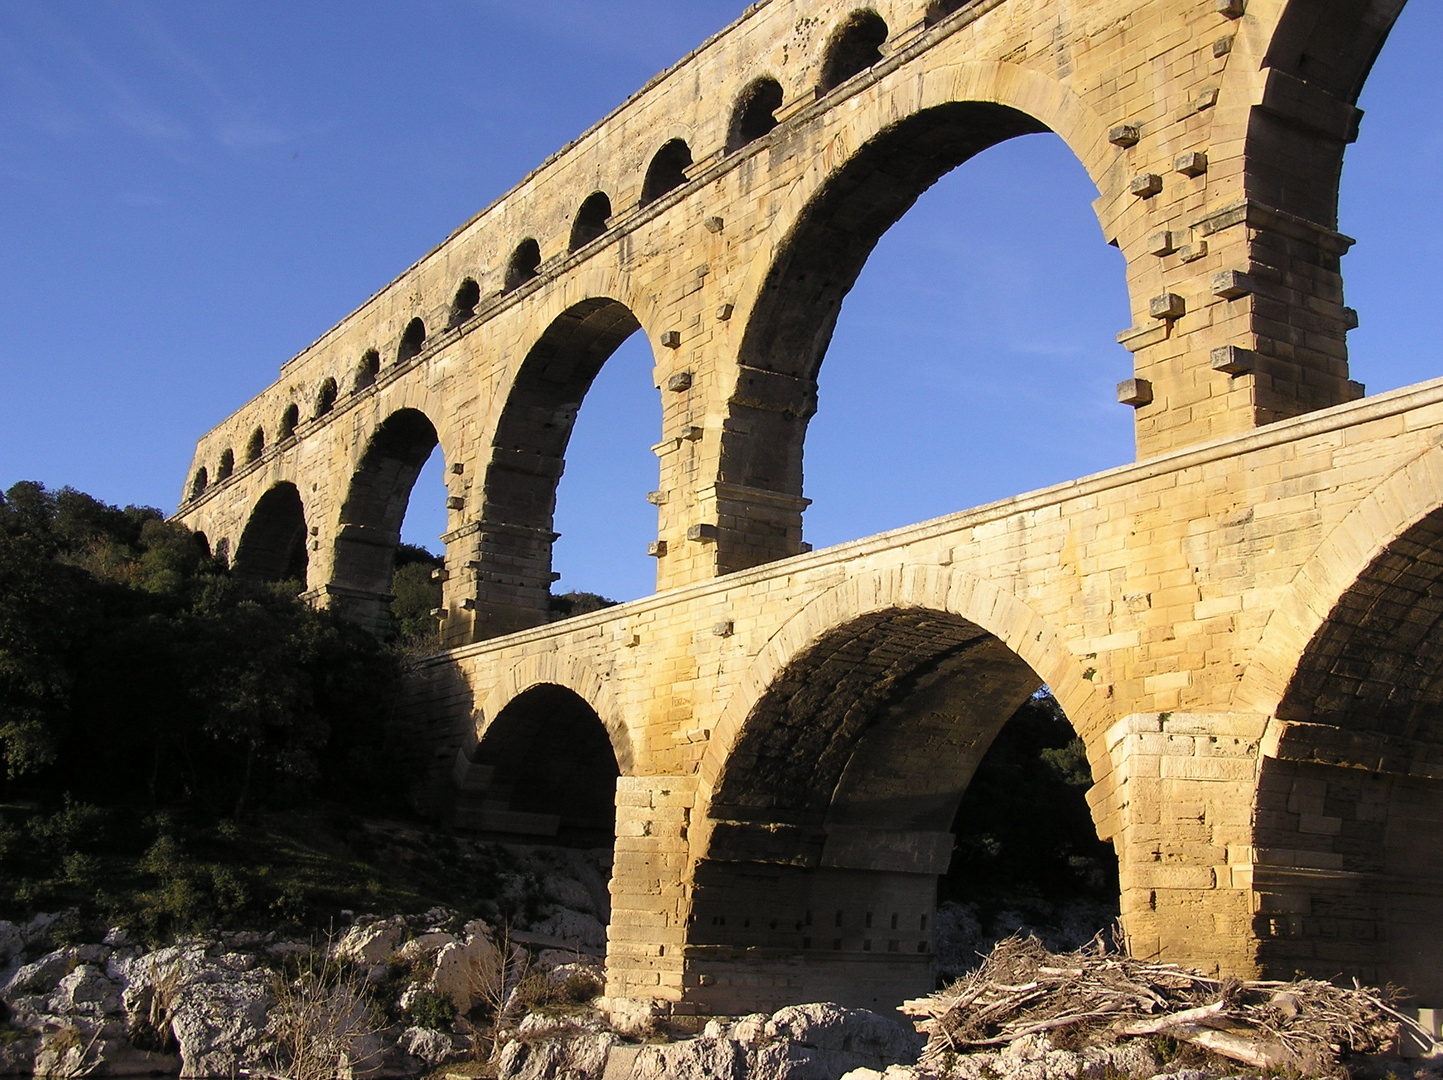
581,1055
371,943
825,1039
431,1046
424,945
575,927
692,1059
85,991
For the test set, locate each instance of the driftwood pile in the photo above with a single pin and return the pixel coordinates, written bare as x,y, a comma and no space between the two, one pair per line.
1093,997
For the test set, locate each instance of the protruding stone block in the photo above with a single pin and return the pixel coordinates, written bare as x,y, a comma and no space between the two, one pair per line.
1124,135
1167,306
679,382
1350,318
1193,163
456,502
1146,186
692,433
1222,46
1230,9
702,532
724,313
1134,392
714,224
1234,360
1163,243
656,549
671,339
656,498
1231,284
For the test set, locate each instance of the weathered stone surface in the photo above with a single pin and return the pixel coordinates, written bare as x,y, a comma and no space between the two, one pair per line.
694,1059
580,1056
1222,621
371,943
432,1047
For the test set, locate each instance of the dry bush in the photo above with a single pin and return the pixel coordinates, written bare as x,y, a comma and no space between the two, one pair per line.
502,980
320,1018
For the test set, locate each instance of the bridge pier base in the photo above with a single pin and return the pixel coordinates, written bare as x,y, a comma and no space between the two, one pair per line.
1180,794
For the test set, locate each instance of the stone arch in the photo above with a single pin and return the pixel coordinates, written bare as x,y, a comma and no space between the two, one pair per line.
369,529
273,544
824,237
827,798
981,603
226,466
591,220
326,397
519,486
463,304
367,368
1402,500
938,10
290,419
573,675
256,446
854,46
667,171
754,114
199,482
413,339
525,264
1350,784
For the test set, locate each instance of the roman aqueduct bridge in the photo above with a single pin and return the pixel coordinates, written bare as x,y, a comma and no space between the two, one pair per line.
1241,625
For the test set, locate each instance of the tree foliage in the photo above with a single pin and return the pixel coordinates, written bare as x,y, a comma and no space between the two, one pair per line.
132,666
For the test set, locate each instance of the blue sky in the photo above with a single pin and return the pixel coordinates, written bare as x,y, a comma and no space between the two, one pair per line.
190,193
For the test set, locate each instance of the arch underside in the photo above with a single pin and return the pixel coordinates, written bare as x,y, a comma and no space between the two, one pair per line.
832,817
1349,825
519,490
544,767
796,311
372,515
273,545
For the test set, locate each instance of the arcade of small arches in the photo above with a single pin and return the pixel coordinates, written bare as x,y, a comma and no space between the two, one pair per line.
780,742
854,46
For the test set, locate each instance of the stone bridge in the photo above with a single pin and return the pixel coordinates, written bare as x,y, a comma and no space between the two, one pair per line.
1240,626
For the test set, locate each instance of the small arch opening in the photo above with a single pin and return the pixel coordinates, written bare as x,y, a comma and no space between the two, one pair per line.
199,482
553,758
289,421
855,46
326,398
256,446
755,113
938,10
273,545
411,341
524,265
226,467
667,171
463,305
367,369
591,220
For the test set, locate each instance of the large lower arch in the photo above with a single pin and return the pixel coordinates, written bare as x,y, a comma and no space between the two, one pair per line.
828,793
827,242
1350,790
273,545
518,498
370,522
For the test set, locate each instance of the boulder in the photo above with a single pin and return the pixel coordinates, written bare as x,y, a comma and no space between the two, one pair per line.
424,945
575,927
836,1030
692,1059
220,1023
86,991
432,1047
568,893
38,978
371,943
581,1055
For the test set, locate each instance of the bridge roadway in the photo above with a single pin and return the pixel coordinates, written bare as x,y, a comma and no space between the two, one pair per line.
1241,625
